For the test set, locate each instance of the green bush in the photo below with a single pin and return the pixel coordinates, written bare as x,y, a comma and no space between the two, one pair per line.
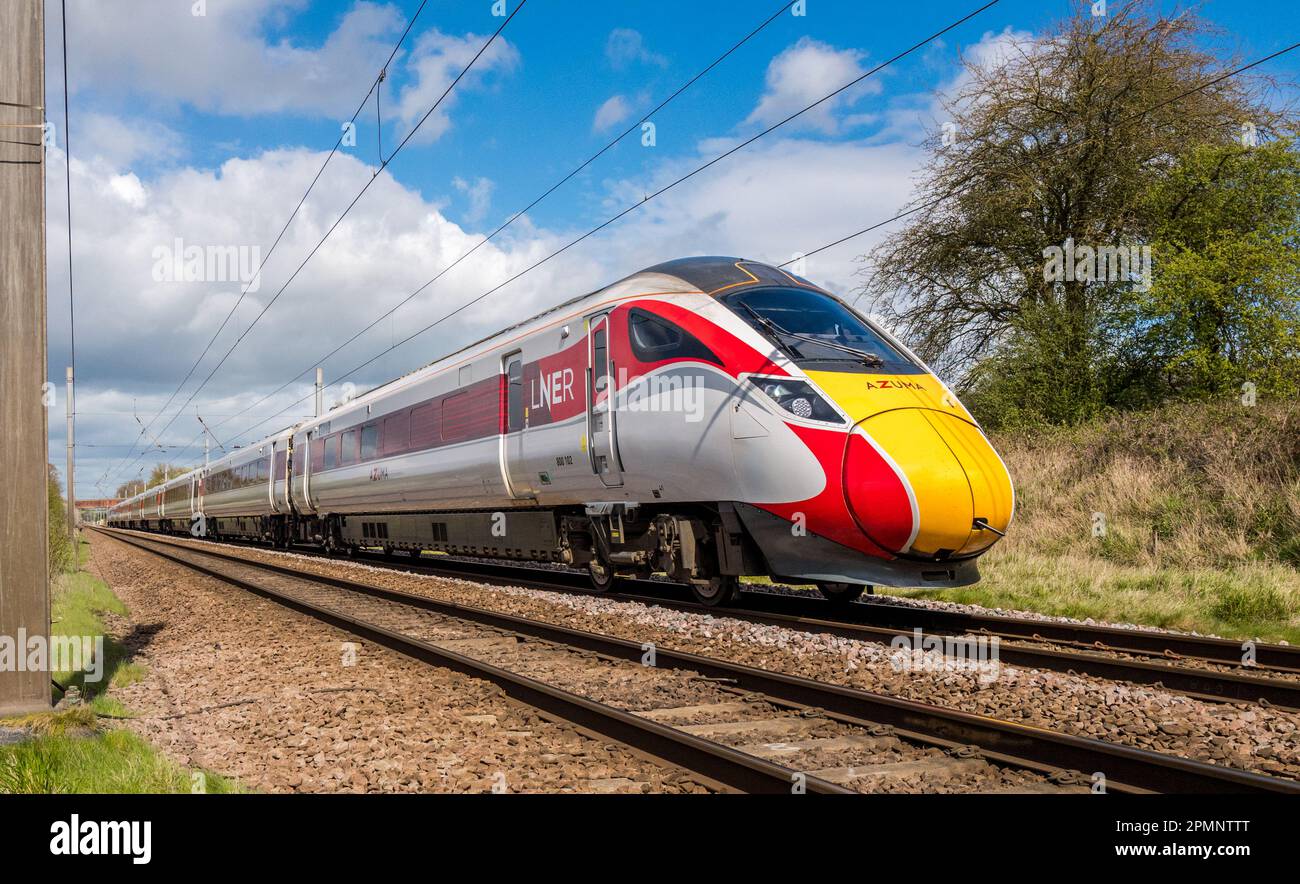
61,554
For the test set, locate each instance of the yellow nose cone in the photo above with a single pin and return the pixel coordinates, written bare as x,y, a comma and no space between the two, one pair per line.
952,471
955,476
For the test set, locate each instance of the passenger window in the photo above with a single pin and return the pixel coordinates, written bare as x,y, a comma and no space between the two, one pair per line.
655,339
331,452
349,453
457,417
370,442
397,432
515,394
424,426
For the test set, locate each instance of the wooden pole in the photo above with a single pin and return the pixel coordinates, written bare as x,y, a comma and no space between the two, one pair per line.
24,394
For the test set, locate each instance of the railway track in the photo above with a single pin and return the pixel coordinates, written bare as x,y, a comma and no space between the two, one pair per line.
737,727
1151,658
1205,668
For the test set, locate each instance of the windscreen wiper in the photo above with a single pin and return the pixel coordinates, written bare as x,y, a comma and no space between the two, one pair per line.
868,358
775,330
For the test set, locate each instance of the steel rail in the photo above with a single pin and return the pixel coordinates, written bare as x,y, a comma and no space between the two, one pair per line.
1125,768
783,610
717,763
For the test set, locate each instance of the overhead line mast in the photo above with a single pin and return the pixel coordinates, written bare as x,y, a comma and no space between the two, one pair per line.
25,394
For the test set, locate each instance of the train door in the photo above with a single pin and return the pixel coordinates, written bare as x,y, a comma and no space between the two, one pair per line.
288,474
274,474
309,449
601,416
514,469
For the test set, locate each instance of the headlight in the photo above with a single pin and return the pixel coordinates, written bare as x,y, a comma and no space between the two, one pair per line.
798,398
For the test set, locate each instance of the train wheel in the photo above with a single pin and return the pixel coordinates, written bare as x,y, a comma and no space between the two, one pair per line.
718,591
603,577
841,593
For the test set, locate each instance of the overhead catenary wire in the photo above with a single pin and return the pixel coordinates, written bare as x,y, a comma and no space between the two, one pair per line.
521,212
1074,145
647,198
506,21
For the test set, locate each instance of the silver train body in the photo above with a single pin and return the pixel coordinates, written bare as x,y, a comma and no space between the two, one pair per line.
632,430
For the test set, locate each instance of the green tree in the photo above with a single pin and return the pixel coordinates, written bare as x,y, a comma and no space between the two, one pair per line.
130,488
1224,306
1056,142
162,472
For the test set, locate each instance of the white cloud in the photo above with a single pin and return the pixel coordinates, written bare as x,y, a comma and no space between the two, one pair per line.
435,62
626,47
128,189
993,49
767,202
805,72
137,336
123,142
613,111
223,61
480,196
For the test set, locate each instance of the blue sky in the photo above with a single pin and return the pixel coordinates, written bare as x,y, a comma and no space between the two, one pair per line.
208,129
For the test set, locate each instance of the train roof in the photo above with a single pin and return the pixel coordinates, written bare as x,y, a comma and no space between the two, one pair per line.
710,274
714,274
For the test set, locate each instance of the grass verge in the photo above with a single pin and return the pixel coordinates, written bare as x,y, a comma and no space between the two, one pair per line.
69,750
1254,600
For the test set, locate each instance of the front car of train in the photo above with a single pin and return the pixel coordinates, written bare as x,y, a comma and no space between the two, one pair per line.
906,490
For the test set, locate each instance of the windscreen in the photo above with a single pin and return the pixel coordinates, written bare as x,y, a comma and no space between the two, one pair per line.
818,331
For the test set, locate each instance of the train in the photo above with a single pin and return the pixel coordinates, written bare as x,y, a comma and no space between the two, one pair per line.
707,418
